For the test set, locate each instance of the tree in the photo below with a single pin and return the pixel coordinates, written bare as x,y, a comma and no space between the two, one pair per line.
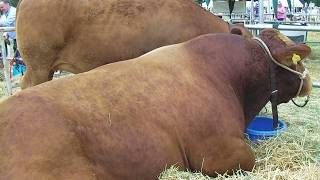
316,2
13,2
199,2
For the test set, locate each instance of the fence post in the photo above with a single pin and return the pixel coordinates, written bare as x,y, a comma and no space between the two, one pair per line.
5,66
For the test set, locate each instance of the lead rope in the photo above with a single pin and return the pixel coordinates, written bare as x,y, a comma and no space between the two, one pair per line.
274,91
274,95
304,104
302,76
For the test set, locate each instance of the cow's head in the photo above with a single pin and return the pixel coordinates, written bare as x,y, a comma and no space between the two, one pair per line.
289,54
239,29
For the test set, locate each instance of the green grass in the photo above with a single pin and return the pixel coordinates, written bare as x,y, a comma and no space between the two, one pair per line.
315,54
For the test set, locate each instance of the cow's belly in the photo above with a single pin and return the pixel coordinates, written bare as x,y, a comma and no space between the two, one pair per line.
128,152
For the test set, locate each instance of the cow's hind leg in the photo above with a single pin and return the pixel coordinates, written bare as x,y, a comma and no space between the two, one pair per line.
238,156
39,63
40,144
39,49
35,77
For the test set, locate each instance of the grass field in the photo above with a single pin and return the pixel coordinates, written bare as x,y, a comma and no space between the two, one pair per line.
292,155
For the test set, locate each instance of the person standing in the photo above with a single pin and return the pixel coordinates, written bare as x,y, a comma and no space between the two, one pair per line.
281,12
10,21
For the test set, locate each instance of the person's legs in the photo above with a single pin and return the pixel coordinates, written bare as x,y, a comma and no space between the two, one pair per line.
6,48
15,49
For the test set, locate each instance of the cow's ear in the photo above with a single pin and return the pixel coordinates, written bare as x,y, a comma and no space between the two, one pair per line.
239,29
292,54
236,30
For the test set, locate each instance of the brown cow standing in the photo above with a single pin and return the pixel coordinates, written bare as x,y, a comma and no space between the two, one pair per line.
77,36
184,104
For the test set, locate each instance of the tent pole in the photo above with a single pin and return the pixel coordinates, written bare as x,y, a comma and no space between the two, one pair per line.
252,12
293,7
261,12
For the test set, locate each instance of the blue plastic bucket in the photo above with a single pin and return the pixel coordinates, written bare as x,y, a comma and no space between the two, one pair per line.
261,128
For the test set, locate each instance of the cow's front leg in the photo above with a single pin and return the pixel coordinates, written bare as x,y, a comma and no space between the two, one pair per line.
35,77
225,155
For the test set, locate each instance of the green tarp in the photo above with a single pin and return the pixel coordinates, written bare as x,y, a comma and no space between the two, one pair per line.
275,5
207,2
289,5
231,6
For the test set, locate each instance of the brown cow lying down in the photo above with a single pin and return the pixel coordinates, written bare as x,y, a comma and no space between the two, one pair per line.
185,104
77,36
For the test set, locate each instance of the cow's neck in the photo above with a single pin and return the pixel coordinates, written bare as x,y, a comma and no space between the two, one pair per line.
249,76
235,66
256,89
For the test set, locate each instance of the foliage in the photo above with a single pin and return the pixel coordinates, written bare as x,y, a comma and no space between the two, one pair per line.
316,2
13,2
198,1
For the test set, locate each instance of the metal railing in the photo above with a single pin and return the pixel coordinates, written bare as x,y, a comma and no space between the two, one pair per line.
256,28
280,27
310,19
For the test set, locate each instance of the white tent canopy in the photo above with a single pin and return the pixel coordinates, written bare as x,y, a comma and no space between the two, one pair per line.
267,3
294,3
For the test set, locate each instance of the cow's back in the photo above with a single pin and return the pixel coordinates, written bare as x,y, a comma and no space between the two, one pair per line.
77,36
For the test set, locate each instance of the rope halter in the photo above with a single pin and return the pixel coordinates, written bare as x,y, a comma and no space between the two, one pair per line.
302,76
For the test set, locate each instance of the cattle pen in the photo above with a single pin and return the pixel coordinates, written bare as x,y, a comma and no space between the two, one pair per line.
293,155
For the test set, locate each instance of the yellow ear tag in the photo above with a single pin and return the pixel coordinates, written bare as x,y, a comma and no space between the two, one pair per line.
295,58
